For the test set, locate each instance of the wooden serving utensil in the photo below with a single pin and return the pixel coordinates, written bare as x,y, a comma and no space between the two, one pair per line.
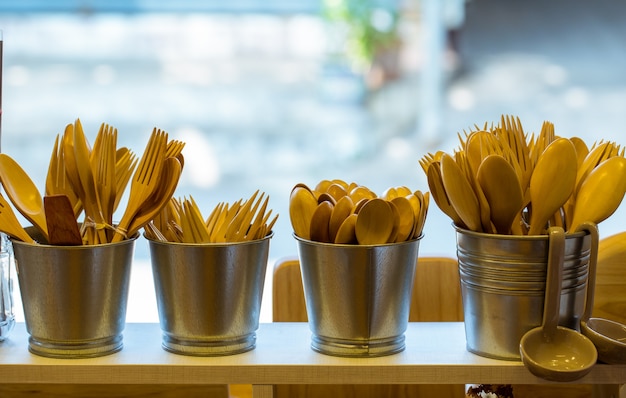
22,192
62,226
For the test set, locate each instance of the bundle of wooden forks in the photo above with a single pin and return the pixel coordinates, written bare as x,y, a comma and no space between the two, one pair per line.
181,221
91,181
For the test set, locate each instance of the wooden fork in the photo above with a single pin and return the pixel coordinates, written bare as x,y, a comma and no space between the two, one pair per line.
57,182
145,180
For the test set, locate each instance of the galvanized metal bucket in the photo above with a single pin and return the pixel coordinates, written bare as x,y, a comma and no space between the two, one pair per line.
74,297
503,279
358,296
209,295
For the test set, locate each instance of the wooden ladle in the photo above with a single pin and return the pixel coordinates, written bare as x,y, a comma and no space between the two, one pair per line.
551,351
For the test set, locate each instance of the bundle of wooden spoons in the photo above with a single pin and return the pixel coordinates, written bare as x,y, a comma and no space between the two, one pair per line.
502,180
338,212
181,221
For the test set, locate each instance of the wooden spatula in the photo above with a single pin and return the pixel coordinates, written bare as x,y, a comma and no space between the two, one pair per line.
62,226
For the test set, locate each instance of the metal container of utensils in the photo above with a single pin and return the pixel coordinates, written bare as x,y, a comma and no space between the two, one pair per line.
74,297
503,279
358,296
209,294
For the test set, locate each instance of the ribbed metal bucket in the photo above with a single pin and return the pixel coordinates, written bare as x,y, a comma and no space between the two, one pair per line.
358,296
503,279
74,297
209,295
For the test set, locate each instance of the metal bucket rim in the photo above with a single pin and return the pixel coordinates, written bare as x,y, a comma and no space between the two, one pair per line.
34,233
354,245
513,237
210,244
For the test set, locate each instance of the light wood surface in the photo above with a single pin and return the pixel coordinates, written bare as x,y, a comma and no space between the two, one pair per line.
113,391
435,353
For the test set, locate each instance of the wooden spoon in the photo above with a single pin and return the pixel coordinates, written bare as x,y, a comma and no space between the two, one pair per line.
62,226
342,209
406,218
600,193
337,191
9,223
374,223
594,157
416,201
302,204
552,182
581,149
23,193
360,192
435,184
420,220
320,221
389,194
347,230
460,193
503,191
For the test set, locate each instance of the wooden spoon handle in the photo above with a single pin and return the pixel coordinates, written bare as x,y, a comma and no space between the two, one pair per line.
62,226
551,306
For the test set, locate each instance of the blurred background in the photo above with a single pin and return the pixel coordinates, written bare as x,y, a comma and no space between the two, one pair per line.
267,94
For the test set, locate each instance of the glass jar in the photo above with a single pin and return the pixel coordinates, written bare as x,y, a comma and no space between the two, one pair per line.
7,316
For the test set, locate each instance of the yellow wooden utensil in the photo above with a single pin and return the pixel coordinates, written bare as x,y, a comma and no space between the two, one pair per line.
63,229
552,182
302,204
57,182
320,221
502,190
435,184
160,198
94,219
9,223
406,218
125,164
600,194
23,192
460,193
145,180
104,170
375,222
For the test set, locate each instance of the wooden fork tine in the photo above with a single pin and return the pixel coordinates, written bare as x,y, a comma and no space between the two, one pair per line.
174,148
